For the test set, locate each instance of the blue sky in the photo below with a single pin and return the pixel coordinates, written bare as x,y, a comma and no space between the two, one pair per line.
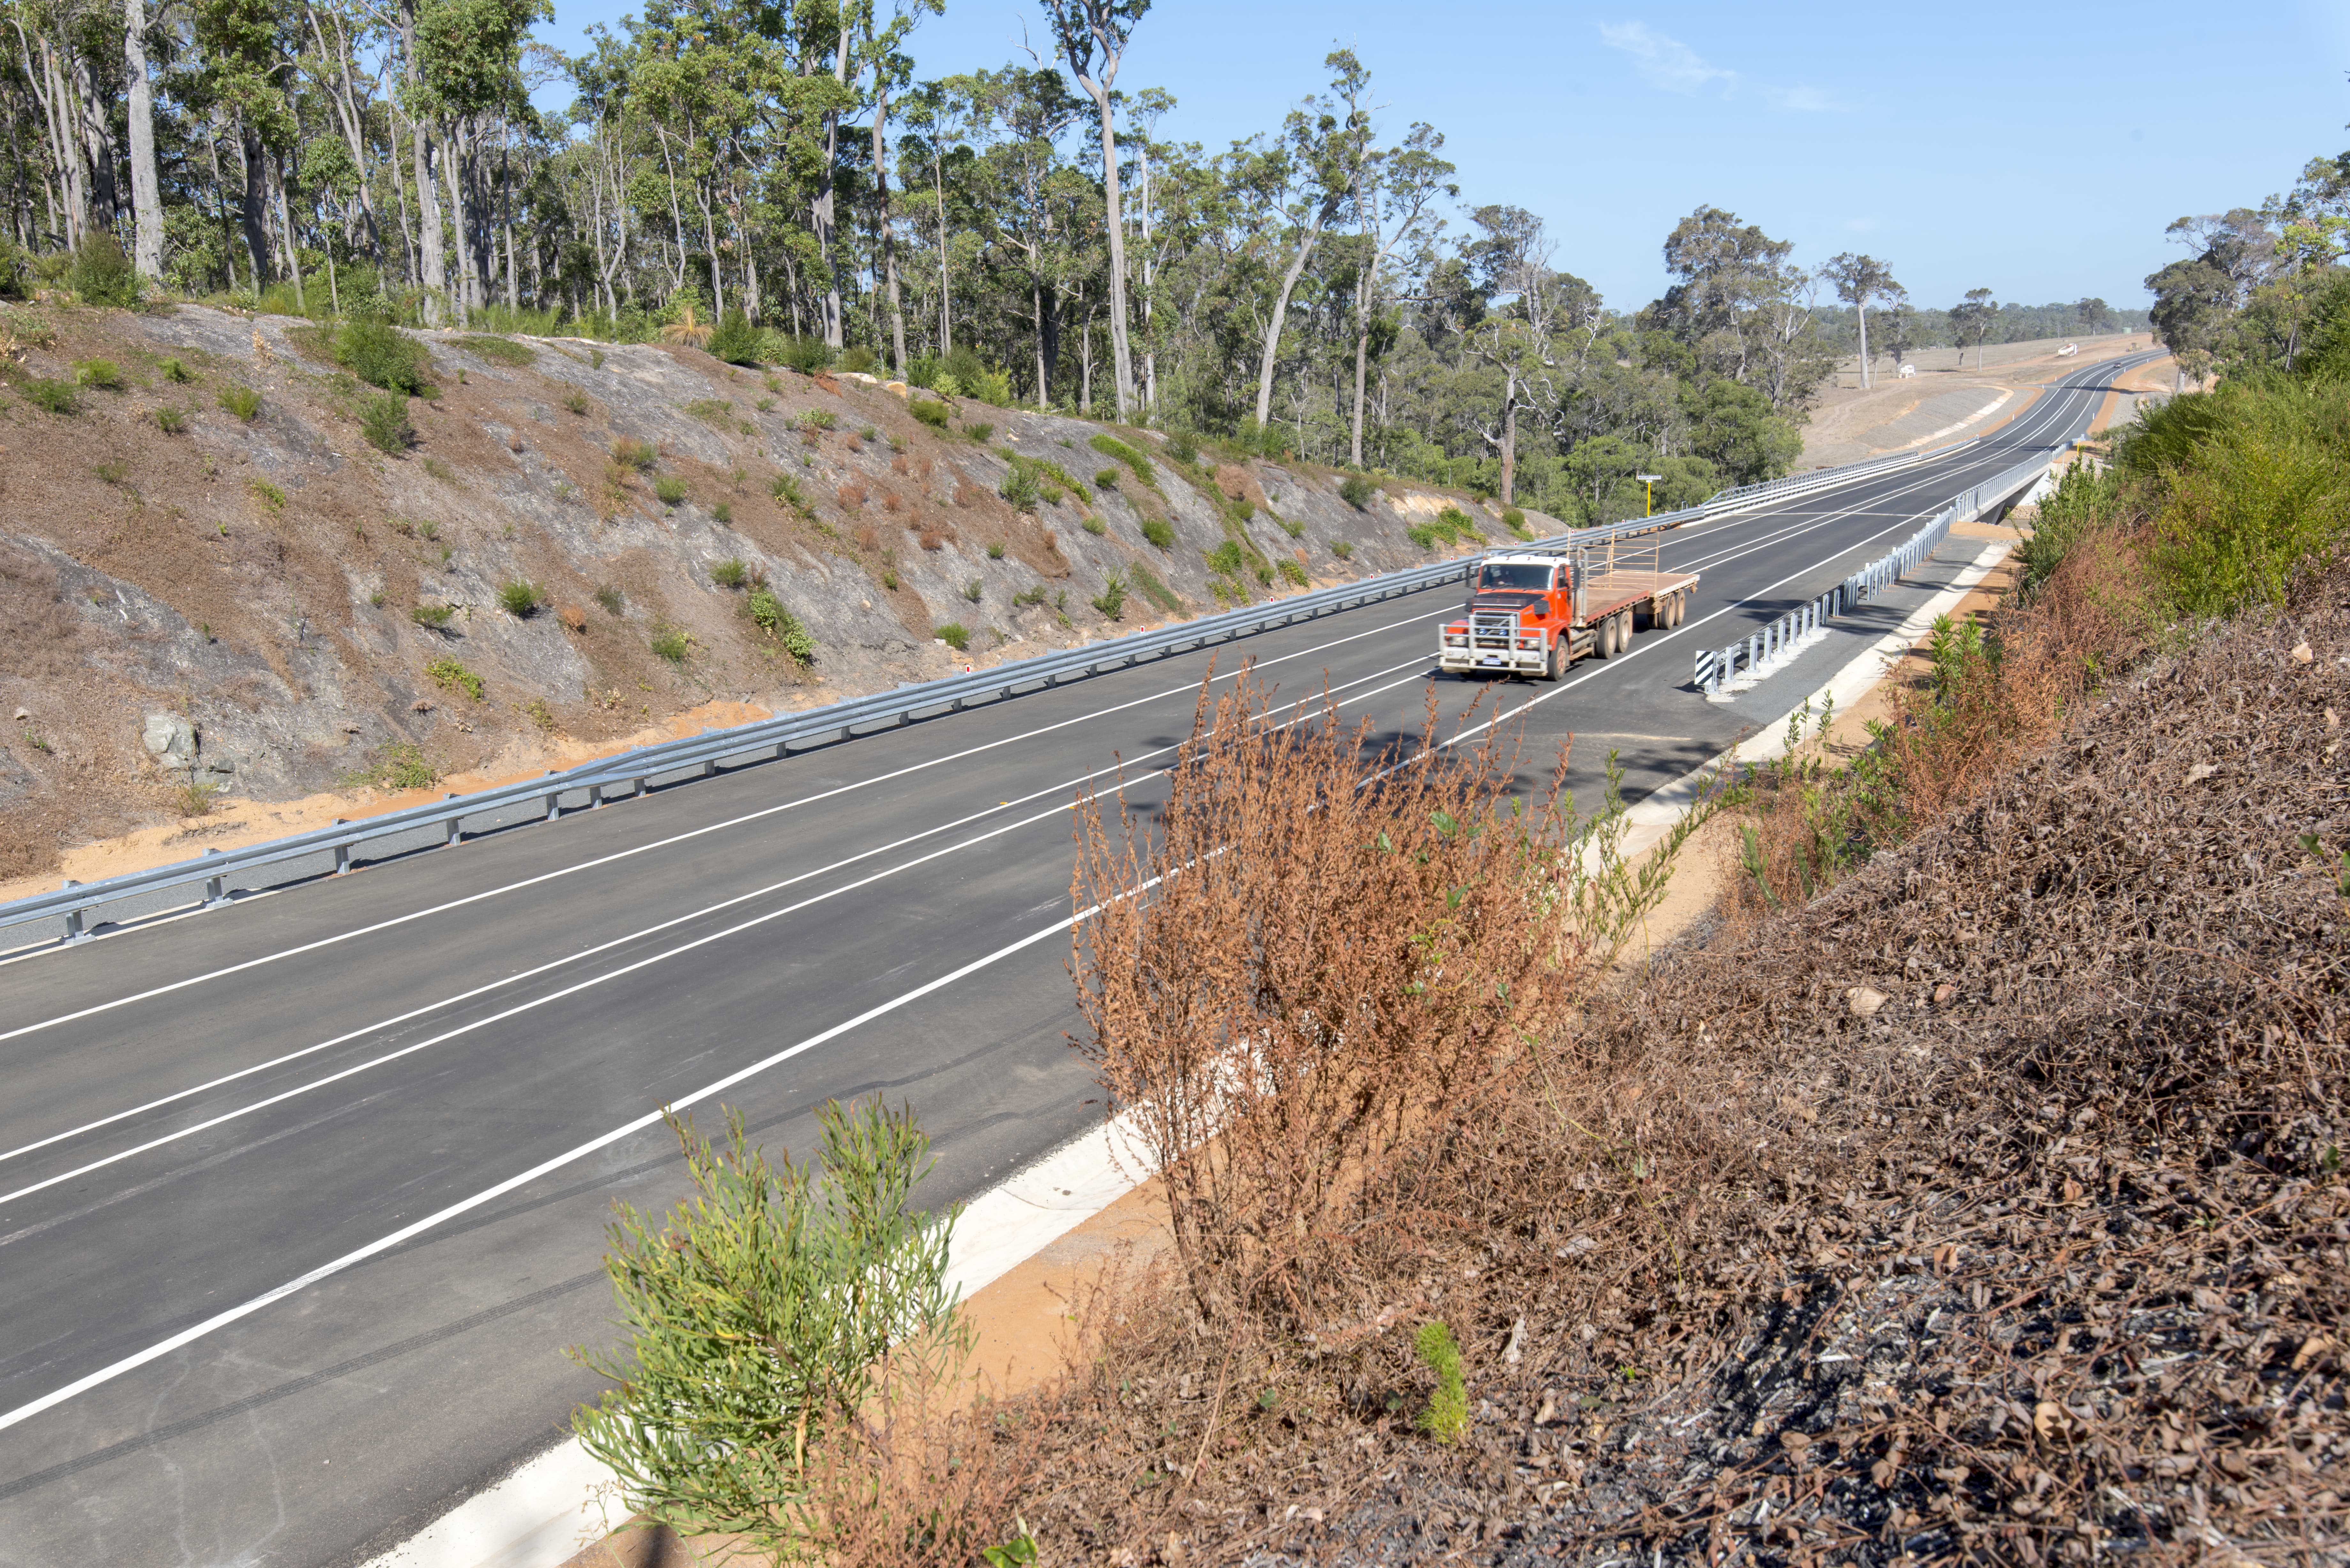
2034,150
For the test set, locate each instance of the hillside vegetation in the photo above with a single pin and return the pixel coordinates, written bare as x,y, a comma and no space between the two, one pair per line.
231,563
1969,1188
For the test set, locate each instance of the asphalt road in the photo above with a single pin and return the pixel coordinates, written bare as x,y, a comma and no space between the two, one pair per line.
300,1200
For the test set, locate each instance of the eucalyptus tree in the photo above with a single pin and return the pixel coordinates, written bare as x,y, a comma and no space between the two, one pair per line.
1087,32
1971,321
1306,178
1859,279
882,52
1395,199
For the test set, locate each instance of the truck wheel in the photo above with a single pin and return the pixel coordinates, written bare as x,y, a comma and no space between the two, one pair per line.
1603,638
1552,662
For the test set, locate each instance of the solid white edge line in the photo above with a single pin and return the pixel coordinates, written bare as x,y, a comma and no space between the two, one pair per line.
554,1506
557,1504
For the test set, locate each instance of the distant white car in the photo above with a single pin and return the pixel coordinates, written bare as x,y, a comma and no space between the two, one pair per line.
2068,350
1908,371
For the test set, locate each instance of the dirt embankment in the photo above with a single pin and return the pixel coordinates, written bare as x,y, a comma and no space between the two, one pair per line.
192,596
1950,399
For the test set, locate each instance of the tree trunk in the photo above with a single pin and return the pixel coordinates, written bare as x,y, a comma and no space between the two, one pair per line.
1862,310
946,280
1281,312
1121,360
146,187
1362,360
821,209
98,143
428,196
889,231
1510,443
455,153
250,160
293,244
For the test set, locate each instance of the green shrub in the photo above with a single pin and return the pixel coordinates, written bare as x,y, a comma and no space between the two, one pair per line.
858,357
383,420
1093,524
816,419
805,355
103,374
242,401
1110,446
724,514
954,635
268,495
400,766
712,411
766,609
500,350
1020,488
670,488
1294,530
759,1314
521,597
672,643
995,550
102,273
53,396
1343,550
973,589
1158,531
1290,569
382,355
1515,521
1356,491
978,431
1182,447
432,618
1446,1417
730,573
1111,600
610,598
172,370
1154,590
171,420
640,455
787,492
451,676
1105,480
736,340
575,400
1227,558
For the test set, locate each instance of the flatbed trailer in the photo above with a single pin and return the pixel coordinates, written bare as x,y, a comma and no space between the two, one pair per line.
1536,613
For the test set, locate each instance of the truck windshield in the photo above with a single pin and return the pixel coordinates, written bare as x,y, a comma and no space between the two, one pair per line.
1513,575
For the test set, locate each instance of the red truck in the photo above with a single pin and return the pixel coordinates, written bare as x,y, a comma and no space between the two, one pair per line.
1535,615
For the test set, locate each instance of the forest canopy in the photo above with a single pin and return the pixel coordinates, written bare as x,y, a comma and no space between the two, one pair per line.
771,180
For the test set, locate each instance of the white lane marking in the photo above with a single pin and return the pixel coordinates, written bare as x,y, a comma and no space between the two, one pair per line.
1124,784
382,1244
245,1309
679,838
1750,548
621,941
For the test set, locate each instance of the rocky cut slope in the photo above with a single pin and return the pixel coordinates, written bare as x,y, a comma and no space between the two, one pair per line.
210,576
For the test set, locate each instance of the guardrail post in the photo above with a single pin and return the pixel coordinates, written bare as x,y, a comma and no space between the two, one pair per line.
216,889
710,767
455,830
75,936
636,788
342,853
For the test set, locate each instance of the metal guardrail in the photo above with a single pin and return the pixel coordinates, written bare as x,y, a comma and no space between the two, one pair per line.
1717,667
223,871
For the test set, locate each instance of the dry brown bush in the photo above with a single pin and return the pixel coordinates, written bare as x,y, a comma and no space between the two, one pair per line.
922,467
898,465
1306,972
931,539
825,383
853,441
850,495
1990,1209
572,617
891,500
967,495
868,537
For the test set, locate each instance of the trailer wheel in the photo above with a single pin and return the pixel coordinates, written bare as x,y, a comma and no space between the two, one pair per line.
1673,609
1603,638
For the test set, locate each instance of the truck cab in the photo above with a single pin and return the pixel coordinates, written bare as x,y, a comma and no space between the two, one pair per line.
1520,611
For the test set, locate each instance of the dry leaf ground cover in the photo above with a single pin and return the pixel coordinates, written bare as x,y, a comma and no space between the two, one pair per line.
1989,1208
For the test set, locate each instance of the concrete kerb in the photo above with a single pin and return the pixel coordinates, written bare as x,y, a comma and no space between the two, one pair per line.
1653,816
550,1508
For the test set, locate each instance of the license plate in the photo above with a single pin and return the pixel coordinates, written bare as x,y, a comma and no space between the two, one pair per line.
1491,659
